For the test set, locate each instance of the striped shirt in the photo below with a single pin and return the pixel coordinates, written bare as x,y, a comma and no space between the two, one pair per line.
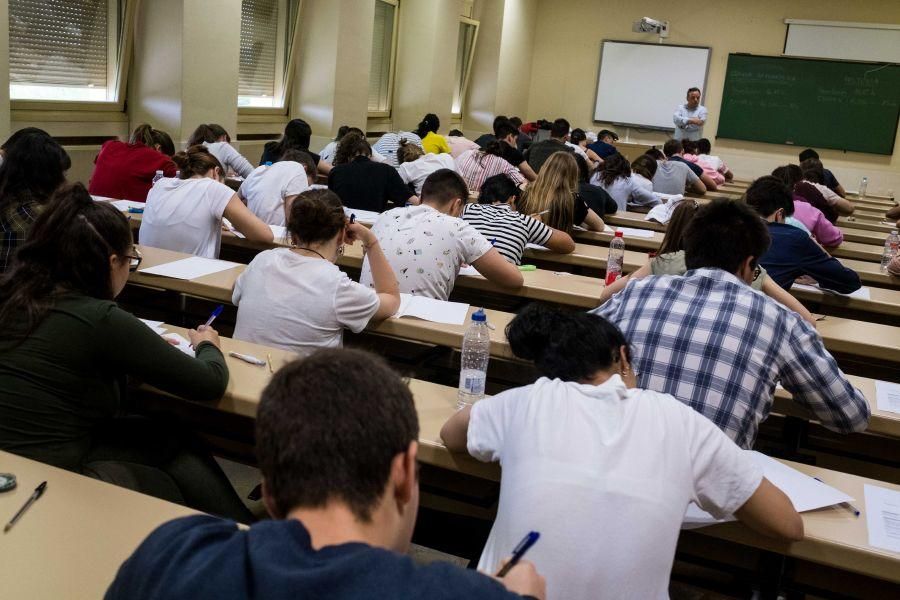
388,144
508,230
476,166
720,347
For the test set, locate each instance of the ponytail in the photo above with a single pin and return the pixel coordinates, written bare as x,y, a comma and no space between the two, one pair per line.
203,133
146,135
196,160
429,124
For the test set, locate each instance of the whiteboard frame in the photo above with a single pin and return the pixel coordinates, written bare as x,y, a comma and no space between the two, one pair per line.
600,68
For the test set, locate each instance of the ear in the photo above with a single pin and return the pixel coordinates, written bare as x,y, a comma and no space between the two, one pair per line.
623,358
269,502
113,262
404,474
745,271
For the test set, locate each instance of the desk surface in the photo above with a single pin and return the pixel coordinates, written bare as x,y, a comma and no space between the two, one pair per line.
72,541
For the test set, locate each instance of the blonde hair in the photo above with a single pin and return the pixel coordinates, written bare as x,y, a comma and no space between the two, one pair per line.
553,193
408,152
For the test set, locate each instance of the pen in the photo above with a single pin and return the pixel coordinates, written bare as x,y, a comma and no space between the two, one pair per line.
269,360
38,492
248,359
212,317
526,543
352,218
846,505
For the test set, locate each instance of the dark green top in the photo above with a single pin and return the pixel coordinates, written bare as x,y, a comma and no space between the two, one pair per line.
66,377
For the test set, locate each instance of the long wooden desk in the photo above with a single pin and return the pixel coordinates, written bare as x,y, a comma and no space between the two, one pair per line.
834,536
72,541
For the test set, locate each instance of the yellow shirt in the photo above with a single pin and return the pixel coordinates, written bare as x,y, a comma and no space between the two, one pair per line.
434,143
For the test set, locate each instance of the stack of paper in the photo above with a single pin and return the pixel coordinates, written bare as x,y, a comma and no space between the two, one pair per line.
189,268
429,309
366,217
806,493
883,517
862,293
279,232
887,396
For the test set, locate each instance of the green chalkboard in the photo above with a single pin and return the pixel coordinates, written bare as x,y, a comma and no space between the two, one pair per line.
807,102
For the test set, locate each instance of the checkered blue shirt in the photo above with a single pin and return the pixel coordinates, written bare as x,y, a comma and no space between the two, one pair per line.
712,342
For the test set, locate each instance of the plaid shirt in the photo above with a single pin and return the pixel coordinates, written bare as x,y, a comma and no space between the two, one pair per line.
16,220
720,347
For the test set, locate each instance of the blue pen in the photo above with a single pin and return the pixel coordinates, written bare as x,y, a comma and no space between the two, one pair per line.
494,242
846,505
212,317
352,218
526,543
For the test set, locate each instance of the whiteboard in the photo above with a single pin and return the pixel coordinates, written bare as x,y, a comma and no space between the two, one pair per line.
641,84
846,41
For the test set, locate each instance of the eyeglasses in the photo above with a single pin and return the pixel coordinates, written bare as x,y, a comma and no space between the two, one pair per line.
134,260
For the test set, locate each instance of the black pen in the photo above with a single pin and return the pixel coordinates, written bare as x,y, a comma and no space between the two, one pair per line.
526,543
38,491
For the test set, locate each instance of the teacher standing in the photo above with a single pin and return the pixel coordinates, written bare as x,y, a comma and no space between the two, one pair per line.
690,117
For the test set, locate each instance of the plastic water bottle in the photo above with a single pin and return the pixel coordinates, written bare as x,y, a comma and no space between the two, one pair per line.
862,187
891,246
476,351
616,258
159,175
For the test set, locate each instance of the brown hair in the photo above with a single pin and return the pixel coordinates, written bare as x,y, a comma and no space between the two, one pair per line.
681,218
146,135
303,158
350,146
196,160
316,216
645,166
554,192
408,152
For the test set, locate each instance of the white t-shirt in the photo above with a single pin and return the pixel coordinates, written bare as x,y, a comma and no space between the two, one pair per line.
267,187
631,191
578,150
185,215
425,249
417,171
605,474
831,197
299,303
230,158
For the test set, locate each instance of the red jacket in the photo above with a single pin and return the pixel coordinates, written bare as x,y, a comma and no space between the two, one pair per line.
125,171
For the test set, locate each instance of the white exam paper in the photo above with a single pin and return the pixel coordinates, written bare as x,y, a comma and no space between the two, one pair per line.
182,343
530,246
156,326
189,268
638,233
883,517
469,270
862,293
124,205
887,396
429,309
367,217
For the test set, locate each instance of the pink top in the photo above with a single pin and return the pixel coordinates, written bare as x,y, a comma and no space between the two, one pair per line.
708,169
820,227
458,145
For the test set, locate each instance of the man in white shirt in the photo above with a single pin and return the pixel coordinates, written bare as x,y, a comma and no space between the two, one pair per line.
427,244
690,117
270,189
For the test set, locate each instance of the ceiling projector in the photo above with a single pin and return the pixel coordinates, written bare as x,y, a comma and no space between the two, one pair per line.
648,25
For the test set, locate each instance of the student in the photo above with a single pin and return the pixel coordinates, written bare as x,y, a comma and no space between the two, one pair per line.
218,142
507,134
363,183
554,197
621,464
605,146
525,138
578,142
828,177
34,167
459,143
270,189
477,166
673,177
328,152
415,165
812,219
343,500
388,144
642,171
487,138
596,198
674,151
538,153
125,171
704,157
814,173
427,244
616,179
692,157
297,298
185,214
495,217
725,345
297,135
792,253
67,350
670,260
428,132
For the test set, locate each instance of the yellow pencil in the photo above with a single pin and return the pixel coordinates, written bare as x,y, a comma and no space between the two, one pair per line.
269,360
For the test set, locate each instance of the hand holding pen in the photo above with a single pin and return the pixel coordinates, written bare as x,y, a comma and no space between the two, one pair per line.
520,576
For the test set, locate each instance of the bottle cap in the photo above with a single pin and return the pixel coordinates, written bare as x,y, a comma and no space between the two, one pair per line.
268,163
479,316
619,234
7,482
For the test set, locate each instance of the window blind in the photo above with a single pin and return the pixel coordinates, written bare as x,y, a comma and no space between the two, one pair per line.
59,42
382,49
259,43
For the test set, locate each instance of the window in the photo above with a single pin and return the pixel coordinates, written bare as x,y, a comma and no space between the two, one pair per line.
381,73
65,49
267,33
465,51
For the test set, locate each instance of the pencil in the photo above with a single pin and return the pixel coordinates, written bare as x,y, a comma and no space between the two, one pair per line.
269,360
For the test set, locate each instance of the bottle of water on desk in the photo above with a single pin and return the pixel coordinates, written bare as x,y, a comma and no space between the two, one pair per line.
476,351
616,258
891,245
862,187
157,177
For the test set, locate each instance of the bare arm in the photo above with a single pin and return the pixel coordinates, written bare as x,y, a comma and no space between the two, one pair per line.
619,284
527,171
770,512
843,207
708,182
777,293
246,222
593,221
561,242
840,191
699,187
323,167
455,432
893,213
386,285
499,270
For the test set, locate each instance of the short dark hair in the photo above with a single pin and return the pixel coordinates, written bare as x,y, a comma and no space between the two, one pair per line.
566,344
560,128
455,133
693,89
316,216
768,194
577,135
723,234
328,428
791,175
813,170
607,132
303,158
516,121
497,188
444,186
808,153
501,130
689,146
499,119
655,153
672,147
704,146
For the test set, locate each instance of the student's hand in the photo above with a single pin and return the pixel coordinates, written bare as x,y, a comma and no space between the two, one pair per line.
523,579
806,280
204,334
357,231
